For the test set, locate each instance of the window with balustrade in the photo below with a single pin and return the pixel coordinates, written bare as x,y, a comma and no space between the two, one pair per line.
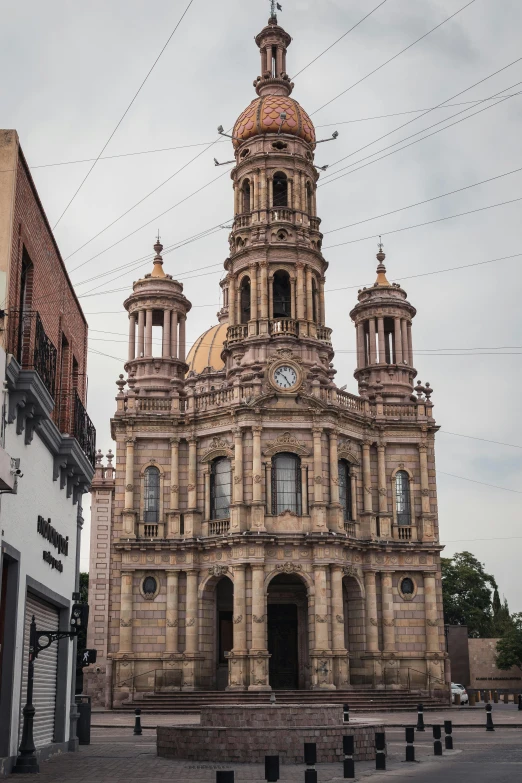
282,293
244,297
402,498
220,488
151,505
280,185
345,489
286,484
246,196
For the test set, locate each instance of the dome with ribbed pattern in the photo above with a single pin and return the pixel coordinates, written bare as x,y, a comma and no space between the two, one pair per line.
206,350
263,116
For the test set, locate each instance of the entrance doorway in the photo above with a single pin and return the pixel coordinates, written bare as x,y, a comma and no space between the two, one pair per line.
225,633
287,631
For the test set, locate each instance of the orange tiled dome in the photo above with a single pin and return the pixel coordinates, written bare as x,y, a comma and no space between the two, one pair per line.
262,116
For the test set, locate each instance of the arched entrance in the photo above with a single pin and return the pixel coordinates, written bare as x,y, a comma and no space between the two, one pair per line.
287,632
224,597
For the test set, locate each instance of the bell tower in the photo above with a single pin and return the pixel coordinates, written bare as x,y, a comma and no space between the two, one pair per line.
274,289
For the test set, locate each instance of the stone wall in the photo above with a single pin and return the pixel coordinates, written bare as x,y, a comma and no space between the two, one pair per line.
483,671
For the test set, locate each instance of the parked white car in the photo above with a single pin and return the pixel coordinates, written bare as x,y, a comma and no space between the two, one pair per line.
461,691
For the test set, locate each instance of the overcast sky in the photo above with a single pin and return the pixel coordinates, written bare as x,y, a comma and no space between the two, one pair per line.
70,71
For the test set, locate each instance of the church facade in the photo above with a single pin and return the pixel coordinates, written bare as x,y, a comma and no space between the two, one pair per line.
261,528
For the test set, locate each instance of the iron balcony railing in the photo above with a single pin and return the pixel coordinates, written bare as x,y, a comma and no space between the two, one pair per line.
83,429
32,348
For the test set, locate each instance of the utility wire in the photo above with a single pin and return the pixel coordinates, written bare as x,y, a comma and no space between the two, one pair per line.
474,481
124,114
339,39
485,440
394,57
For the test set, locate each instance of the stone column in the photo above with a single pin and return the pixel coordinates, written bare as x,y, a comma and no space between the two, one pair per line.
192,474
424,479
166,334
262,186
270,192
270,296
372,632
239,611
337,608
258,608
148,333
360,346
322,316
292,297
380,333
318,465
232,301
321,609
236,199
398,340
174,335
334,467
297,191
353,482
264,290
257,470
126,612
182,344
132,337
388,614
174,473
207,493
141,332
410,346
279,60
129,474
171,633
430,607
304,489
255,180
191,615
309,299
238,465
373,357
300,292
404,334
253,292
367,476
381,470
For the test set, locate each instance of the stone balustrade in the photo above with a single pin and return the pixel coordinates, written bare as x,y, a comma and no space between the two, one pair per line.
283,326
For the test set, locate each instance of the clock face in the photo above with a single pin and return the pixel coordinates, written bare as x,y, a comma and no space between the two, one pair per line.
285,377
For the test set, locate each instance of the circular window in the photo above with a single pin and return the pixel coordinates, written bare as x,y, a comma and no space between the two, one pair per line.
279,145
245,153
150,587
407,587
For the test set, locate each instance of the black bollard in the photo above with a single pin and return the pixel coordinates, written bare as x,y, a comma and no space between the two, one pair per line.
310,757
346,713
410,749
349,765
380,750
137,722
448,739
272,768
224,777
420,717
437,744
520,701
489,718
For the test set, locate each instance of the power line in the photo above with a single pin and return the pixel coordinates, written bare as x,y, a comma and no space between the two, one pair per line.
412,143
339,39
485,440
394,57
426,223
124,113
474,481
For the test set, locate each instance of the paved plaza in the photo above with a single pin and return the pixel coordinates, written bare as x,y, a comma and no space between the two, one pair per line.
116,756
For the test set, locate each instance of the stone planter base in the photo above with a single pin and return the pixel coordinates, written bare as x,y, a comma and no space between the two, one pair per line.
249,733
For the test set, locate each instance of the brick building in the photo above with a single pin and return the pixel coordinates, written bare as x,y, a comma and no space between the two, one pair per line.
262,527
49,440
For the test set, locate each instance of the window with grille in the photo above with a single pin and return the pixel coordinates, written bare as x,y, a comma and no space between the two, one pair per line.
345,489
220,488
152,495
286,484
402,498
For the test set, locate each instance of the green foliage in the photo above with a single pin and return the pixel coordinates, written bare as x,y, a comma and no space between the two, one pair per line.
82,634
84,587
509,647
466,594
502,621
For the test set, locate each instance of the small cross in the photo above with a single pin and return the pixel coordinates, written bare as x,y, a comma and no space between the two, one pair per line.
380,242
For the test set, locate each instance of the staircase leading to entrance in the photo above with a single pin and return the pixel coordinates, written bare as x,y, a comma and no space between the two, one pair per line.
367,700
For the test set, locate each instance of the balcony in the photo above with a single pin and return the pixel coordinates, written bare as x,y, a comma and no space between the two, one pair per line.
218,527
281,215
404,533
32,348
83,429
350,529
324,334
237,333
243,221
283,327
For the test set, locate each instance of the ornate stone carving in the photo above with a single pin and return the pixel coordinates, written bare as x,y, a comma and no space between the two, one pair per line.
289,568
339,618
174,488
257,479
351,571
401,465
321,618
286,441
318,479
238,479
238,619
335,480
190,622
172,623
257,619
129,487
432,623
125,623
382,491
191,487
373,621
218,570
425,492
389,623
368,490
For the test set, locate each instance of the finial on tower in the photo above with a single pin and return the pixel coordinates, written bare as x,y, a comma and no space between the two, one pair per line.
157,270
381,269
274,7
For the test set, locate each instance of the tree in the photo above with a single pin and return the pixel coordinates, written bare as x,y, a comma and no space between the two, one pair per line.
466,594
509,646
502,621
82,634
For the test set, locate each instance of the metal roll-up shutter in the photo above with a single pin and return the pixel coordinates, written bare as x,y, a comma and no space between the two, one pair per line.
45,671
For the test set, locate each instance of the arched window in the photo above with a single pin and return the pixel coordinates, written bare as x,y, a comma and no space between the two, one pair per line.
345,489
246,196
281,299
280,189
286,484
309,198
152,495
245,300
220,487
402,498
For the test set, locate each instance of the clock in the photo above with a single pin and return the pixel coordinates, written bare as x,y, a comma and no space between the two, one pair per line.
285,376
